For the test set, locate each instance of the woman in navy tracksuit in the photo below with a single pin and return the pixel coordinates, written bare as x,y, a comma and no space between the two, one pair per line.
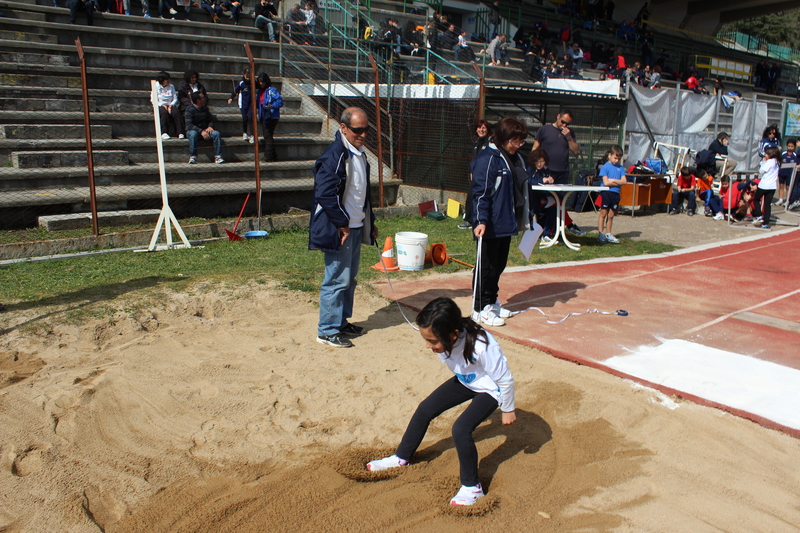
495,208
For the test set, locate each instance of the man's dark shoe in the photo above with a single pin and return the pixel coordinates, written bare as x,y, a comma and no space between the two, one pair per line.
352,330
335,340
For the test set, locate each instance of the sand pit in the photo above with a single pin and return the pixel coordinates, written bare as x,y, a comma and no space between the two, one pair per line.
217,411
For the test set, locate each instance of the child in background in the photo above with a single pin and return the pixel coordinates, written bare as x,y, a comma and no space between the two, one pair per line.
542,204
706,193
481,376
746,197
768,172
684,190
241,91
613,176
785,175
168,108
311,22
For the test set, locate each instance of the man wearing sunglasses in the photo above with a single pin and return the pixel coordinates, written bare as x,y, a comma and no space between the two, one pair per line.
558,140
341,221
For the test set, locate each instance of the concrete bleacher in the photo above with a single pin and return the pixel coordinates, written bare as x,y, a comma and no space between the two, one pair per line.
42,137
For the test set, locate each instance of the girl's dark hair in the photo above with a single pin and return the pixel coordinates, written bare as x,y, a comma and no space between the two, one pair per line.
188,75
444,318
773,153
509,128
486,123
162,77
264,78
536,155
769,129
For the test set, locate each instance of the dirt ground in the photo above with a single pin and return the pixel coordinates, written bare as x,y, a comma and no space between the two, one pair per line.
217,411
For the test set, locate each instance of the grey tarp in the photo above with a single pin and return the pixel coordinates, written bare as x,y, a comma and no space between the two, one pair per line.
680,117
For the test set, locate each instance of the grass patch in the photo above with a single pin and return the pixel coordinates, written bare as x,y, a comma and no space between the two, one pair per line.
283,257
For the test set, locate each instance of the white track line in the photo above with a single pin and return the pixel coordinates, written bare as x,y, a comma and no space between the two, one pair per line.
727,316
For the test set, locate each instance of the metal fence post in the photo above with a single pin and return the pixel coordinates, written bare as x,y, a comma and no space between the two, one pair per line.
87,125
378,128
255,128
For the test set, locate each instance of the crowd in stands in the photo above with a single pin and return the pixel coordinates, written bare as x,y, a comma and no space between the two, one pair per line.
186,113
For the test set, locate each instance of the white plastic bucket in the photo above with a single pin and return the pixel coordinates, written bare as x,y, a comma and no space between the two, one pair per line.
411,248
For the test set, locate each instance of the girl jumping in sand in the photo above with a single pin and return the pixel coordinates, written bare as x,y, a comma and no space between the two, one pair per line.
481,375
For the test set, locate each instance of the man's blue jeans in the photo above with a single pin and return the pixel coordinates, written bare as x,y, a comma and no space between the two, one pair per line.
194,136
339,285
263,23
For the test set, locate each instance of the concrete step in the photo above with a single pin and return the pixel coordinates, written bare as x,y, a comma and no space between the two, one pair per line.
104,218
23,14
133,124
43,104
52,159
28,37
143,150
51,131
13,181
36,59
108,100
39,80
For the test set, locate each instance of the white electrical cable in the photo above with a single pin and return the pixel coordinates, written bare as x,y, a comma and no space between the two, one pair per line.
619,312
386,271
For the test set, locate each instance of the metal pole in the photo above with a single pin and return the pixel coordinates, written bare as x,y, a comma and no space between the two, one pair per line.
481,91
87,126
254,110
378,128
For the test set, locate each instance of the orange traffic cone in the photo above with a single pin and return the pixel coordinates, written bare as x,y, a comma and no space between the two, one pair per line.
387,258
439,254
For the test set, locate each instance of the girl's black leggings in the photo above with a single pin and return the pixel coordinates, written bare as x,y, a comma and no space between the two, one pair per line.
767,195
448,395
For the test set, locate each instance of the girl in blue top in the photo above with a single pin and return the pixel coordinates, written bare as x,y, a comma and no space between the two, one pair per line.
269,112
481,376
241,91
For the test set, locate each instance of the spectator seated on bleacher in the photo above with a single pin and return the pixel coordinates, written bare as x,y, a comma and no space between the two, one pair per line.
265,14
696,84
626,31
296,24
462,48
191,84
683,189
85,5
576,54
496,51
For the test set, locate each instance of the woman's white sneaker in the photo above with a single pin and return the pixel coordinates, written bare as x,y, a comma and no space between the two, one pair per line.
488,317
386,463
467,495
501,311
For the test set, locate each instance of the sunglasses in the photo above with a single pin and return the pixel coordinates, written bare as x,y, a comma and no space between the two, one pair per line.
564,122
358,131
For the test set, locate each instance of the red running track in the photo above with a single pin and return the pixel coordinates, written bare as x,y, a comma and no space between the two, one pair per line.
741,297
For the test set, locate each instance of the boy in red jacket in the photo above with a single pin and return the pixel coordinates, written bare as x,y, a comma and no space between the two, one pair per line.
684,190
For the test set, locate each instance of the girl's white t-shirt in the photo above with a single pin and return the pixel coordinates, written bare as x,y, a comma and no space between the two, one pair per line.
488,372
769,175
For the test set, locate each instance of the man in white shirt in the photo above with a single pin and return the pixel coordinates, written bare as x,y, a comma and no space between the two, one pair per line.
340,213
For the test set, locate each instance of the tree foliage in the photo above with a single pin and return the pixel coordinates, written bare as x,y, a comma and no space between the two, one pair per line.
781,28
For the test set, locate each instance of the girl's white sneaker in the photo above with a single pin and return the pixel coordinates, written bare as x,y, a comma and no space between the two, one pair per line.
384,464
467,495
